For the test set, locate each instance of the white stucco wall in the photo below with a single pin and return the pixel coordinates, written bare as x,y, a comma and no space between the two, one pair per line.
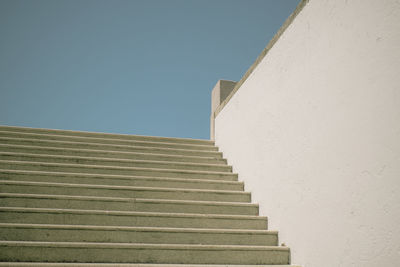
315,134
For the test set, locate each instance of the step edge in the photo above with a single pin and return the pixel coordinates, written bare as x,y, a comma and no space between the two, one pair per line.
137,228
40,135
88,166
140,200
105,151
141,245
133,213
123,187
113,145
111,134
116,176
113,159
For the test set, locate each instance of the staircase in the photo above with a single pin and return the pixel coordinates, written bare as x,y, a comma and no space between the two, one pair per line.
68,198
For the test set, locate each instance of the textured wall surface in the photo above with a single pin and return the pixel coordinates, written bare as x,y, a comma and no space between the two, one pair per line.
315,134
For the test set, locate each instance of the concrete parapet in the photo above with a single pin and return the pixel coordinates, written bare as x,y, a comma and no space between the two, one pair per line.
219,93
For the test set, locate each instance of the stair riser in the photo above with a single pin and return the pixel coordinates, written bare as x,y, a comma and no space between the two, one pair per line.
128,220
106,135
166,183
104,162
126,206
143,237
129,255
106,154
107,141
105,147
74,168
131,193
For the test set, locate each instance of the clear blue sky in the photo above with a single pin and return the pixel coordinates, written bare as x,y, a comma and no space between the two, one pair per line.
141,67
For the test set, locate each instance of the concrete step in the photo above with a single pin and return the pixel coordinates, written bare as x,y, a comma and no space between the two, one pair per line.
107,147
125,204
29,149
55,264
80,198
135,171
142,253
107,135
7,186
109,179
143,235
130,218
110,141
16,156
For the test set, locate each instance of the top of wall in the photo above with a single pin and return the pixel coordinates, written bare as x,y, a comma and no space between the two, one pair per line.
265,51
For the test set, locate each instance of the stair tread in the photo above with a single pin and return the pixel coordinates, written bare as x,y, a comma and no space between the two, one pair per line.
120,199
134,213
124,187
47,264
123,136
74,137
116,167
112,159
137,228
216,152
98,150
141,245
69,174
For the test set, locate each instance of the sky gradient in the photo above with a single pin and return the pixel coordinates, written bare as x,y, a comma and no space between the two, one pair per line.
139,67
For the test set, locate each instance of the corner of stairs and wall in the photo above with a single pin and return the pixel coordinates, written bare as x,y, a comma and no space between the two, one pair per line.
95,199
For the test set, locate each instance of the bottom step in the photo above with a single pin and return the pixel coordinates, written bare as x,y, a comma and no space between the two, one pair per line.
51,264
141,253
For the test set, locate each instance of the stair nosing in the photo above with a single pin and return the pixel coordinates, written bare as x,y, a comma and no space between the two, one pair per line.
118,176
134,213
105,151
112,159
121,199
103,139
142,245
122,187
89,166
115,145
137,228
111,134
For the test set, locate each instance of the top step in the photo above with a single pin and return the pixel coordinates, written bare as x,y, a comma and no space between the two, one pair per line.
121,137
